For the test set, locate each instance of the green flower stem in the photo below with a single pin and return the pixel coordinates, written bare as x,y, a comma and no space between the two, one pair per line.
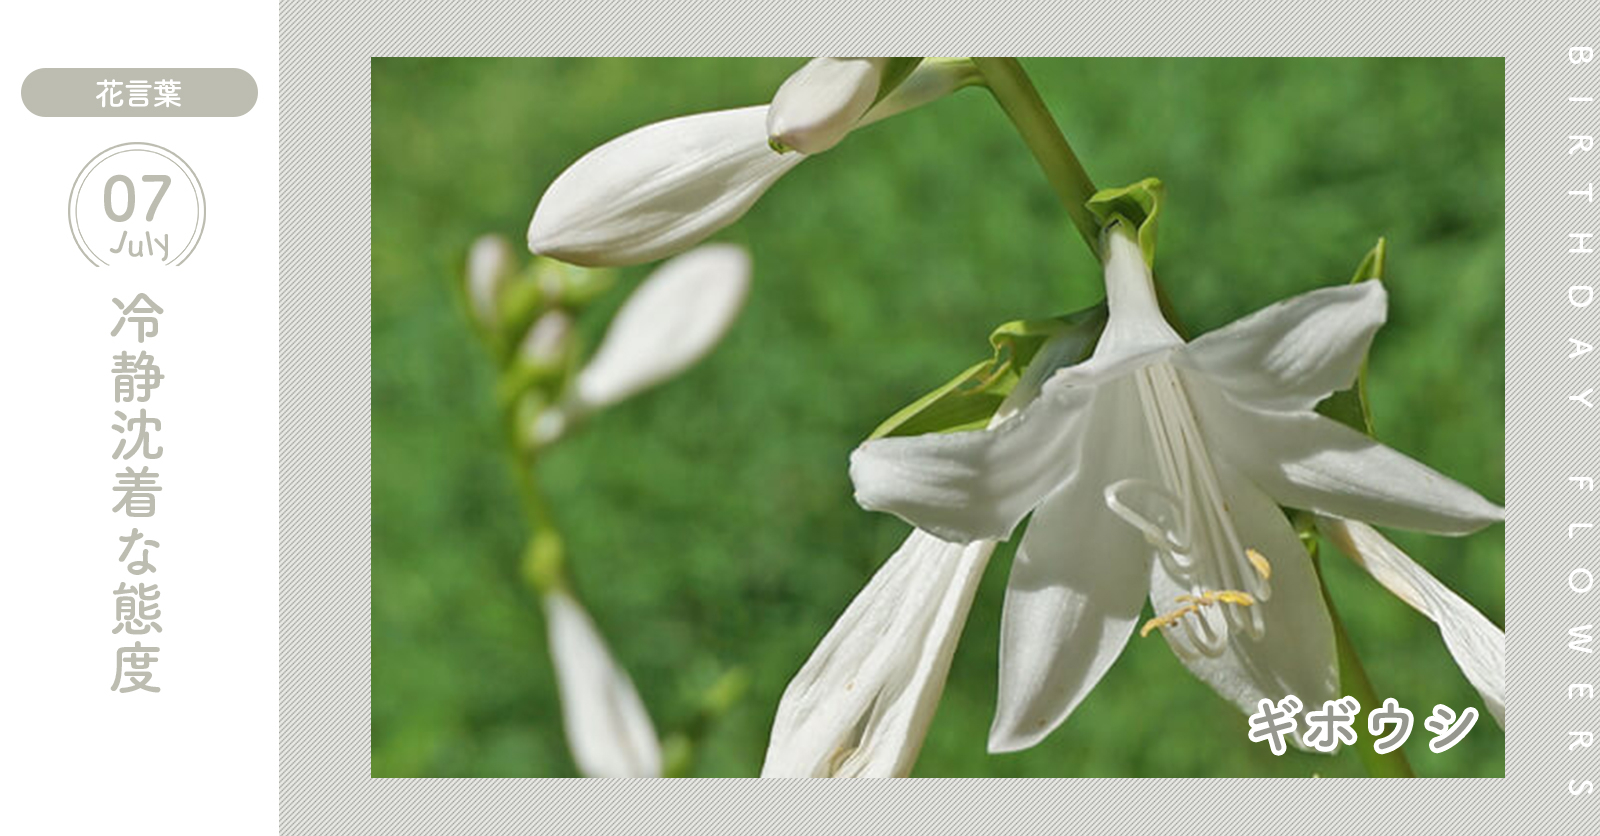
1017,97
1353,682
543,559
1011,87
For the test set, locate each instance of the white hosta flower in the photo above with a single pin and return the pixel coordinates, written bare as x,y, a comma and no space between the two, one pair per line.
665,187
1156,468
489,264
861,705
608,729
1478,646
821,102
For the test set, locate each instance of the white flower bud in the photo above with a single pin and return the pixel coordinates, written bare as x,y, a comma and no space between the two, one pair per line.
608,729
489,264
821,102
658,190
547,339
672,320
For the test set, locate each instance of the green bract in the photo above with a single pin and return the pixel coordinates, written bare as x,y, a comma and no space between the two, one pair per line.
969,399
896,71
1138,204
1349,406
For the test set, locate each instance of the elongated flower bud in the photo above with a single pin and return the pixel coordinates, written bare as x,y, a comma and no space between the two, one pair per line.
608,729
489,264
818,105
672,320
658,190
862,704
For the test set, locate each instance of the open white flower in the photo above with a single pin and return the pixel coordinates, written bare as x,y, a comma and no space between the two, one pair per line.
1156,468
608,729
665,187
862,704
1478,646
673,319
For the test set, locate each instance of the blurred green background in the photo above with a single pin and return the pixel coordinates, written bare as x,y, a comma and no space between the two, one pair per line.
710,521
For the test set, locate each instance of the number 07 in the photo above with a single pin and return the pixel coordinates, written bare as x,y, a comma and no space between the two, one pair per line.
149,214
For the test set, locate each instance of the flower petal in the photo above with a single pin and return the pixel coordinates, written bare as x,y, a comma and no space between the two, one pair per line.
673,319
1297,653
968,486
1076,588
607,727
658,190
822,101
1291,355
1304,460
861,705
1478,646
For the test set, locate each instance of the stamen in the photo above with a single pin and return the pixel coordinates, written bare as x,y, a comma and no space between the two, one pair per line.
1118,495
1259,561
1185,516
1162,621
1193,603
1229,596
1210,644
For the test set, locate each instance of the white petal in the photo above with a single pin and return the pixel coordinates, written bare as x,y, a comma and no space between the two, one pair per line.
658,190
861,705
933,79
1291,355
1136,324
1304,460
608,730
968,486
1478,646
489,264
672,320
819,104
1297,653
1076,587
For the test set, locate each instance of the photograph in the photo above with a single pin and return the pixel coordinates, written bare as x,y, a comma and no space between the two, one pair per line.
938,417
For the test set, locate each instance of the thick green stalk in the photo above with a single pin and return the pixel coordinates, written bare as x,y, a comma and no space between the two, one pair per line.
1017,97
1011,87
1353,682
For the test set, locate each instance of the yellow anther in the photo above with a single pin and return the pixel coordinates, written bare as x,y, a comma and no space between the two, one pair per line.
1258,560
1192,604
1164,621
1229,596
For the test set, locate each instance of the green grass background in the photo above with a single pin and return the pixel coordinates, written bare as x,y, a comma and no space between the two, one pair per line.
710,521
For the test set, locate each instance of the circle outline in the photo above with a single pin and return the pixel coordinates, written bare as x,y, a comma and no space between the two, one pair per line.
150,147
